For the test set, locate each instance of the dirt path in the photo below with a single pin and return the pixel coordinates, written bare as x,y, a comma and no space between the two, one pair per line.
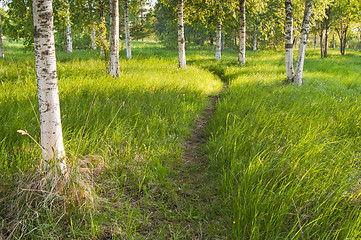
197,192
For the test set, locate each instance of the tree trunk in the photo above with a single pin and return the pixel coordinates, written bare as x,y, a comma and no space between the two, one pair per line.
181,41
255,38
289,40
1,42
223,40
69,41
242,33
360,42
93,38
315,42
219,41
333,41
327,29
321,43
48,94
303,41
114,70
127,30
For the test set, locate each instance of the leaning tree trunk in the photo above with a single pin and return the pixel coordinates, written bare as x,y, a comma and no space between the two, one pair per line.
289,40
303,41
127,31
114,39
181,40
48,94
1,42
69,41
242,33
219,40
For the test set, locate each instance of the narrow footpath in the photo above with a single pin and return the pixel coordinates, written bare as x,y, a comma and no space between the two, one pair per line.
197,191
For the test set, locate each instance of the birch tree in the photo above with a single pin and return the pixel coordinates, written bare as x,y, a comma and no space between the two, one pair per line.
48,94
289,40
114,39
303,42
219,40
127,31
296,77
69,41
242,32
181,40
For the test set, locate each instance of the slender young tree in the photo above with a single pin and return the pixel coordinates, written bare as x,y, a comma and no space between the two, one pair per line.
127,30
255,37
289,40
181,40
219,40
303,41
242,32
48,94
93,38
114,39
1,41
69,40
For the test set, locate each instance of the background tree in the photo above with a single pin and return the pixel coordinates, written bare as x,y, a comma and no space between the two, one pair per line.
344,14
127,31
114,39
181,40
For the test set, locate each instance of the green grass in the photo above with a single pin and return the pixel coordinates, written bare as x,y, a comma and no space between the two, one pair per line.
285,159
139,150
290,156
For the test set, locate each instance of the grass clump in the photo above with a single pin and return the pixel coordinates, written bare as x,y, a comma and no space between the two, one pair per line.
290,155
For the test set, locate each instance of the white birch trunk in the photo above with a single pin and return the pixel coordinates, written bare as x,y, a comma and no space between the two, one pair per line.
303,41
69,41
1,42
93,38
127,31
181,41
289,40
114,39
219,40
255,38
242,33
333,41
48,94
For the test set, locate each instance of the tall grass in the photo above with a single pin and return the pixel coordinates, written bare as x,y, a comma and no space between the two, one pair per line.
136,127
290,155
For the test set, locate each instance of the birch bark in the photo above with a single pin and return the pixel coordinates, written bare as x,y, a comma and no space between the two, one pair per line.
289,40
114,39
69,41
219,40
127,31
48,94
181,41
303,41
242,33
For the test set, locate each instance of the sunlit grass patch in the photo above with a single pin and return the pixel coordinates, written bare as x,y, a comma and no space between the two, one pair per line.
290,155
